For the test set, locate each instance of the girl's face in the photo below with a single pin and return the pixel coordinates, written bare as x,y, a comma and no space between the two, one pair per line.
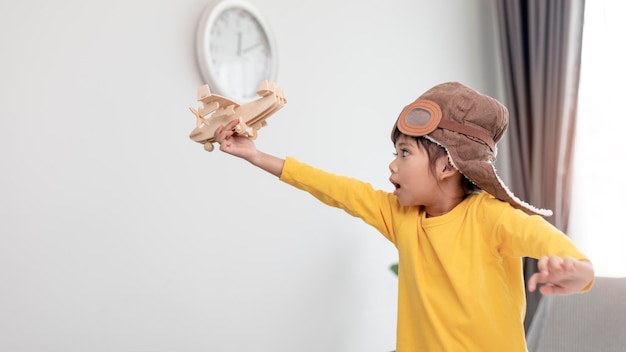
411,174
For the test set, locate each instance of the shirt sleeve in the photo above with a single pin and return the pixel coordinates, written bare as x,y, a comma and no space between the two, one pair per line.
523,235
355,197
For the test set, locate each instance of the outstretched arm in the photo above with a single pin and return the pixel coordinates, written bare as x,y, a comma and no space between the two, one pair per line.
562,276
244,148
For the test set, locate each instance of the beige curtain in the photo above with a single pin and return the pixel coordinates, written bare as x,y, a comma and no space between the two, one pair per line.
541,48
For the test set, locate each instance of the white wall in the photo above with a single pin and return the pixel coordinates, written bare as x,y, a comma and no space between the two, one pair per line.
118,233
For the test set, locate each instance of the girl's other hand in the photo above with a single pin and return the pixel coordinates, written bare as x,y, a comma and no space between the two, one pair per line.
561,276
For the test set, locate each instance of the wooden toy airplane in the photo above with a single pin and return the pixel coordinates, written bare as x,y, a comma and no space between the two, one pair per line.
251,115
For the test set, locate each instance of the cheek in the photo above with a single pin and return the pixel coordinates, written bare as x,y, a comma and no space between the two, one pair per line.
419,174
411,176
417,166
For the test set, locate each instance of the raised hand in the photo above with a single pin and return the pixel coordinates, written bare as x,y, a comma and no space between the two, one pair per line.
232,143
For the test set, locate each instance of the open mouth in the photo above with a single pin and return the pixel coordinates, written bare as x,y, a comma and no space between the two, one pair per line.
396,186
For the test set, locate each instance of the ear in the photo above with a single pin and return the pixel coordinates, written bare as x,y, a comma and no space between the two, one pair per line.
446,170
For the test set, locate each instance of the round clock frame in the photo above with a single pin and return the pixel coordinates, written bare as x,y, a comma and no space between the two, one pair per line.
235,49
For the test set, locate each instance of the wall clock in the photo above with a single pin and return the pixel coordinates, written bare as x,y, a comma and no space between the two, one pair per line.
235,49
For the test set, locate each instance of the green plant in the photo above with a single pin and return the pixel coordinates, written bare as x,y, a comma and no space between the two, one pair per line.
394,268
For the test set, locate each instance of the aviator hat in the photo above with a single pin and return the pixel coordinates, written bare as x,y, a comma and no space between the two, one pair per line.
468,125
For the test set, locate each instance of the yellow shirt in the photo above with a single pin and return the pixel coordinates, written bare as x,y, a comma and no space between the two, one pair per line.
460,283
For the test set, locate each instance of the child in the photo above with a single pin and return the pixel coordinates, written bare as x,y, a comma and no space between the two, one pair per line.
460,233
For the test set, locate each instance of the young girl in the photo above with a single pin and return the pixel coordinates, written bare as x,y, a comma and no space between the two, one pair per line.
460,233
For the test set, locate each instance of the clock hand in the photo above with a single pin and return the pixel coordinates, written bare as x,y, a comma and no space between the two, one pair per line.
251,47
238,43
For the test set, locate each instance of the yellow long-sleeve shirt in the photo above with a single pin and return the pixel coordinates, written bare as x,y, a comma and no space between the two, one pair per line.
460,280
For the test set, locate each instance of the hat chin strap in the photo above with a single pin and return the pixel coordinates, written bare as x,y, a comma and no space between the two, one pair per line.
469,131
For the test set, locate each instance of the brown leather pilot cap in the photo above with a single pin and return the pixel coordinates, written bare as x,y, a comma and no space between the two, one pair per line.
468,125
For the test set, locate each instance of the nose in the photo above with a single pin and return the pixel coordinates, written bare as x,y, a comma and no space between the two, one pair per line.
392,166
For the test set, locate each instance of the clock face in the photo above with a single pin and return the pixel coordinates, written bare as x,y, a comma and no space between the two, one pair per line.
238,52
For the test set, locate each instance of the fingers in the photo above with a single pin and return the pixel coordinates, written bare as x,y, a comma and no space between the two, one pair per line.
532,282
224,132
547,266
550,265
569,264
548,290
554,271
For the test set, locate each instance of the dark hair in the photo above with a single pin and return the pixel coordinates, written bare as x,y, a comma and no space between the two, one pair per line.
434,152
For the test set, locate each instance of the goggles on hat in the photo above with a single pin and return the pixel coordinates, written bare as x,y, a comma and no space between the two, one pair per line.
423,116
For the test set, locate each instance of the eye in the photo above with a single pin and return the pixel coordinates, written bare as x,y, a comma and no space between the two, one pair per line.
403,152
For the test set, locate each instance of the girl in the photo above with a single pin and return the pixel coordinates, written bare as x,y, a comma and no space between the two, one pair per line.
460,233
